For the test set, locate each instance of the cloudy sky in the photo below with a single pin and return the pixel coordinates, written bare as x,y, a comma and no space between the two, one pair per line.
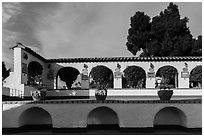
61,30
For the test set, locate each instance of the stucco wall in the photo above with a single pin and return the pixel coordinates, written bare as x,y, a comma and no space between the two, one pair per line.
150,82
68,115
19,78
131,93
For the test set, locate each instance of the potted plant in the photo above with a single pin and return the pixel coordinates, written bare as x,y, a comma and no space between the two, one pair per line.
165,90
101,92
39,93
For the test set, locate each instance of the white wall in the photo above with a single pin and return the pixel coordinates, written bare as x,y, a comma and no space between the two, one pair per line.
18,79
69,115
150,82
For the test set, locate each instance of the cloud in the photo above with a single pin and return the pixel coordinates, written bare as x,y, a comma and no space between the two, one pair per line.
64,27
57,30
10,10
9,38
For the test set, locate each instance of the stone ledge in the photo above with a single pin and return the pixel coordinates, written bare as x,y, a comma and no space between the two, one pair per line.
193,101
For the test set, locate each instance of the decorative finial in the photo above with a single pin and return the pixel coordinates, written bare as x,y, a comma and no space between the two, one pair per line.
118,65
186,65
151,66
18,43
85,66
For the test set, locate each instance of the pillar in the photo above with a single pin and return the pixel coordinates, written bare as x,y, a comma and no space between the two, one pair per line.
117,77
20,68
183,77
150,78
85,78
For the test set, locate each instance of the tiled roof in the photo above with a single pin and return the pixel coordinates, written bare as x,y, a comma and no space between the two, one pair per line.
107,59
84,101
116,59
29,50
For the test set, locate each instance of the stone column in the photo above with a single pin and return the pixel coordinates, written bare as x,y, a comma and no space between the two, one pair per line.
117,77
150,79
183,78
56,82
85,78
20,68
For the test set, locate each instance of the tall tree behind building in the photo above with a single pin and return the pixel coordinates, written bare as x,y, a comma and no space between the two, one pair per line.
5,71
166,35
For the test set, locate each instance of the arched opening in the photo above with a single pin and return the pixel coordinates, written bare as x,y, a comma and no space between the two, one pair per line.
101,75
196,77
170,117
35,70
35,117
134,77
67,78
167,75
103,117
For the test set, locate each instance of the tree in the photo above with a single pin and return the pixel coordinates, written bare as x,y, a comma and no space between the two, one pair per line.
135,77
34,73
197,47
138,33
196,75
166,35
68,75
102,75
168,74
5,71
171,33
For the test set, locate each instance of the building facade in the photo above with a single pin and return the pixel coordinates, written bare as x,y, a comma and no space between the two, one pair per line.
25,58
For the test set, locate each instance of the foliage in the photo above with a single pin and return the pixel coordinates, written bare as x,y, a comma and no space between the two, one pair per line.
135,77
197,47
5,71
138,33
38,94
102,76
168,74
34,74
166,35
196,74
102,92
165,86
68,75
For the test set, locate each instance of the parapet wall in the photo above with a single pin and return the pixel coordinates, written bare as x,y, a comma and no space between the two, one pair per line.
130,113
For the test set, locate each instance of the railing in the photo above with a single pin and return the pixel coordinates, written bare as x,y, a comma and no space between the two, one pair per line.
16,93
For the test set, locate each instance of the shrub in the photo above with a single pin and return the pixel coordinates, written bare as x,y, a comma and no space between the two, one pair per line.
135,77
102,76
68,75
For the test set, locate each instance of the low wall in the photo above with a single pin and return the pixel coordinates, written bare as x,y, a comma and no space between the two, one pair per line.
152,92
112,93
148,93
58,93
120,93
131,114
5,91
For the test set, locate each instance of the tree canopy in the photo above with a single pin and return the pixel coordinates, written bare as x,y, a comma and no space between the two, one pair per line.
34,73
168,74
68,75
166,35
196,74
135,77
5,71
102,76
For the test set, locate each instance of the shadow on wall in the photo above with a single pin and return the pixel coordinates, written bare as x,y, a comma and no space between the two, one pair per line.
35,116
29,116
103,116
99,116
170,116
